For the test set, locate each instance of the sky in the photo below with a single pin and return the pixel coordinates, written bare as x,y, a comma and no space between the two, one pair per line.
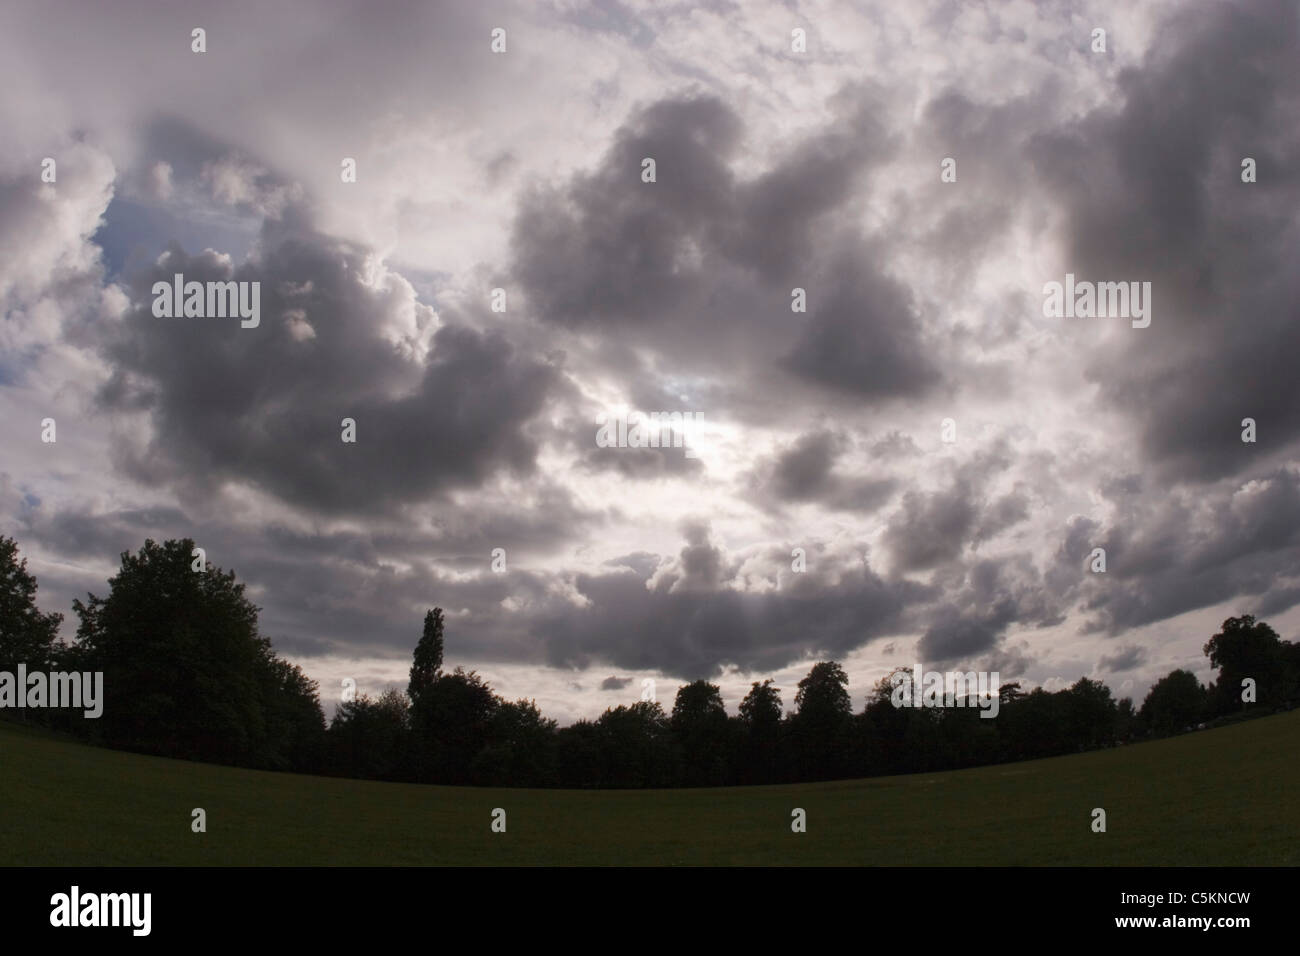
910,460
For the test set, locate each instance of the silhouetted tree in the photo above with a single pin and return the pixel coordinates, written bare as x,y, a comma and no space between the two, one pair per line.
1247,648
887,725
27,636
578,755
451,720
1036,725
370,737
295,723
1127,723
760,718
520,749
186,672
699,725
636,746
821,725
1174,703
427,664
1090,715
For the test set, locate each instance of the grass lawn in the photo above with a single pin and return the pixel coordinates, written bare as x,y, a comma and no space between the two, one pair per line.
1226,796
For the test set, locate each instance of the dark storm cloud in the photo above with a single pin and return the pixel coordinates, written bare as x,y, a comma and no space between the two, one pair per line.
865,495
958,635
461,537
639,463
77,534
1069,564
1170,556
264,405
348,599
1153,192
777,213
347,593
606,250
685,618
931,528
1010,662
805,471
615,683
339,591
701,560
990,596
1006,512
893,446
862,335
1125,659
677,294
986,141
1279,599
702,263
694,633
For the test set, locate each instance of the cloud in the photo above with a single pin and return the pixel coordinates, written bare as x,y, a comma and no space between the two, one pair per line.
437,405
979,604
1185,551
50,271
690,619
1151,190
611,249
653,262
775,171
1125,659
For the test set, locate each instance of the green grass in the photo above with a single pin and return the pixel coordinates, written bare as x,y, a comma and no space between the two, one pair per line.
1217,797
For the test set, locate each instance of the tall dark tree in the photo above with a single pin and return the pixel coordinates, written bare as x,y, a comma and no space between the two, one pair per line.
27,636
1035,725
451,722
369,737
295,723
636,746
824,692
760,718
1090,715
180,652
1009,693
699,725
578,755
451,714
520,749
761,708
822,724
882,743
1291,671
1127,723
186,672
1246,648
1174,703
427,665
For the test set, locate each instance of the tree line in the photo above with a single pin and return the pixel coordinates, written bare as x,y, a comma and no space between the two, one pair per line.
189,675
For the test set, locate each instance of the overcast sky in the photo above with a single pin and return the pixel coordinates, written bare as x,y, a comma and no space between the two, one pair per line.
775,169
